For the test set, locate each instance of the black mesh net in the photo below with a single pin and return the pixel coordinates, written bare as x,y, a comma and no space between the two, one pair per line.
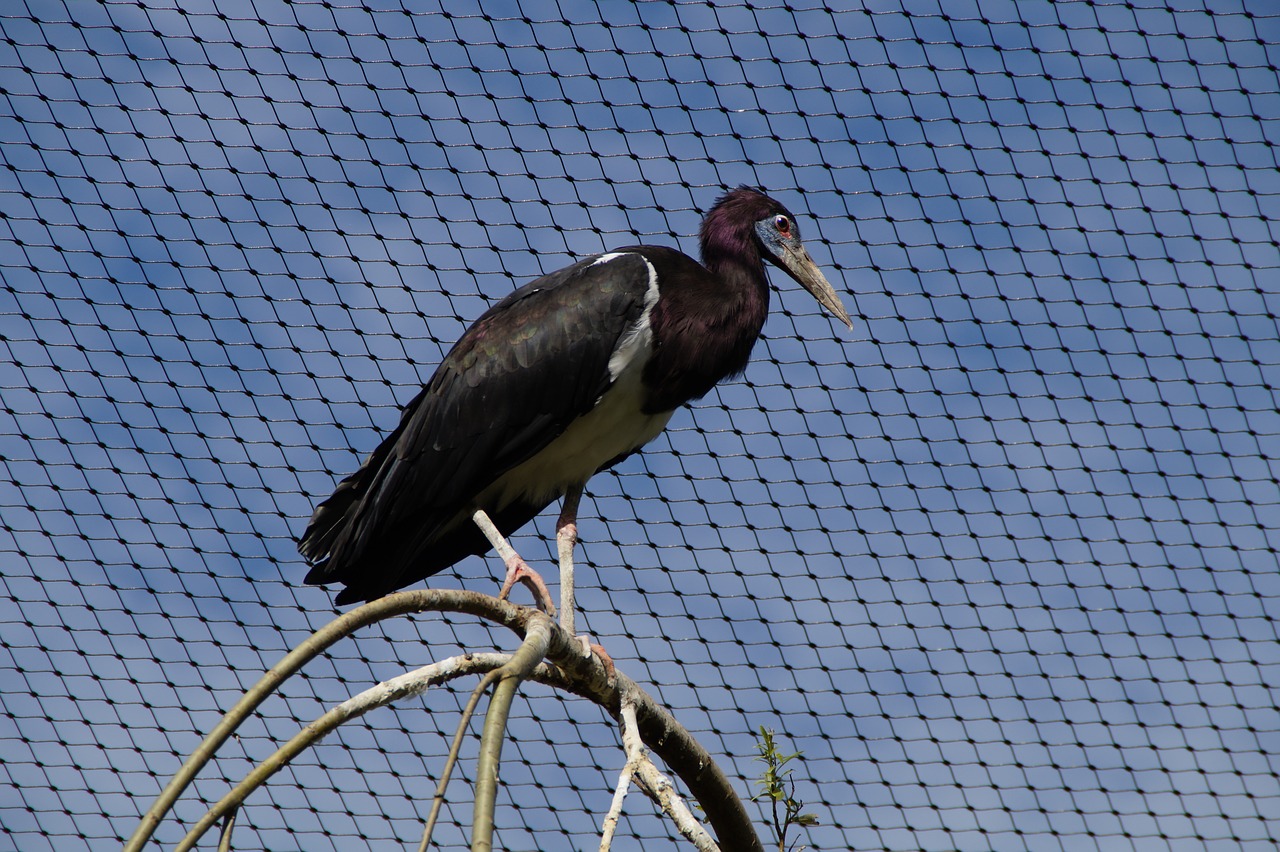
1001,562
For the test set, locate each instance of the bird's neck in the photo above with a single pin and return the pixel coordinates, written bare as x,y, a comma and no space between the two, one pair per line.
737,302
705,327
744,289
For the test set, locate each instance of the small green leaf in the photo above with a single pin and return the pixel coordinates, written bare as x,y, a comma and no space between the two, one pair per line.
776,786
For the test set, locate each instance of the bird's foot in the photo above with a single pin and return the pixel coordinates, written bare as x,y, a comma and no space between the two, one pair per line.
589,648
518,571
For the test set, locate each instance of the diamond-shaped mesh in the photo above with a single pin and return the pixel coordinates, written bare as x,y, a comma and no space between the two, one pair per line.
1002,562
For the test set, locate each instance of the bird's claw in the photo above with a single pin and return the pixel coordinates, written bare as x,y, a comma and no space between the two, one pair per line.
519,572
589,648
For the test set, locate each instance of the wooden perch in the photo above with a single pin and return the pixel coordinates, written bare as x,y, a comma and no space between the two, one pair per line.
573,671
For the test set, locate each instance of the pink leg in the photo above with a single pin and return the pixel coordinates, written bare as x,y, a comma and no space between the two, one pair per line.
603,655
518,571
566,540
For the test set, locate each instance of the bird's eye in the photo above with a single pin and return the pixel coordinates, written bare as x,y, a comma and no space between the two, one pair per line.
783,224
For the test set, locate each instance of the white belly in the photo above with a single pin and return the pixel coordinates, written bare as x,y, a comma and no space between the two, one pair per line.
613,428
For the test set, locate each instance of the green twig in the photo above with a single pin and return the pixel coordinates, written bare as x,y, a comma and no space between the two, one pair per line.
777,786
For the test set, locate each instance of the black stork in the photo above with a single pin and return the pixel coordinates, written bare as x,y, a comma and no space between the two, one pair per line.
565,377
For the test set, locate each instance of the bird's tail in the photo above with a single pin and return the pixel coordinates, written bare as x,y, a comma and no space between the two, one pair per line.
329,522
329,536
372,556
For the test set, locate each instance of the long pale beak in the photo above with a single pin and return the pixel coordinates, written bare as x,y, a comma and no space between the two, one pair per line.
796,262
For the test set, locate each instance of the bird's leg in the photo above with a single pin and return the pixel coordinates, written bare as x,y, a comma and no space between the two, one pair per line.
566,540
518,571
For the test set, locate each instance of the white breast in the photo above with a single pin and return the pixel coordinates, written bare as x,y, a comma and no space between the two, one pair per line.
616,426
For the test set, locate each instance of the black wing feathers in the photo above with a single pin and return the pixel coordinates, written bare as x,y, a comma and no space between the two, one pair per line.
516,379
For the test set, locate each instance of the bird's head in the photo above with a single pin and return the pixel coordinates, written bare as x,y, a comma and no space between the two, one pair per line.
777,236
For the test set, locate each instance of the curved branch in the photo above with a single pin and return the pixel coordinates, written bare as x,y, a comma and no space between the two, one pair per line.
583,675
404,686
464,722
536,642
400,603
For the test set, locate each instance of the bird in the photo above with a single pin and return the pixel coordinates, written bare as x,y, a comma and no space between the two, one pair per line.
564,377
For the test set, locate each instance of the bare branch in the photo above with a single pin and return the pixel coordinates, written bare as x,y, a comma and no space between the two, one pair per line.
518,571
635,754
573,672
403,686
536,642
505,551
660,789
653,782
684,755
224,842
400,603
464,722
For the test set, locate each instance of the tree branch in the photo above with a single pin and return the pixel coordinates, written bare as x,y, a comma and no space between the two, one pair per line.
660,789
401,603
464,722
403,686
585,676
684,755
536,642
634,748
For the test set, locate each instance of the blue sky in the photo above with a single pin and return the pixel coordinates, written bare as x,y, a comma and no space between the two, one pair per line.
1001,561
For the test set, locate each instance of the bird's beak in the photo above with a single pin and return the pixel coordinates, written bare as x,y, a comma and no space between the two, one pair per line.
796,262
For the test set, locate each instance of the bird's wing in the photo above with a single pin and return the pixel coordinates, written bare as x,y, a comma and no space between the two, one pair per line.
516,379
